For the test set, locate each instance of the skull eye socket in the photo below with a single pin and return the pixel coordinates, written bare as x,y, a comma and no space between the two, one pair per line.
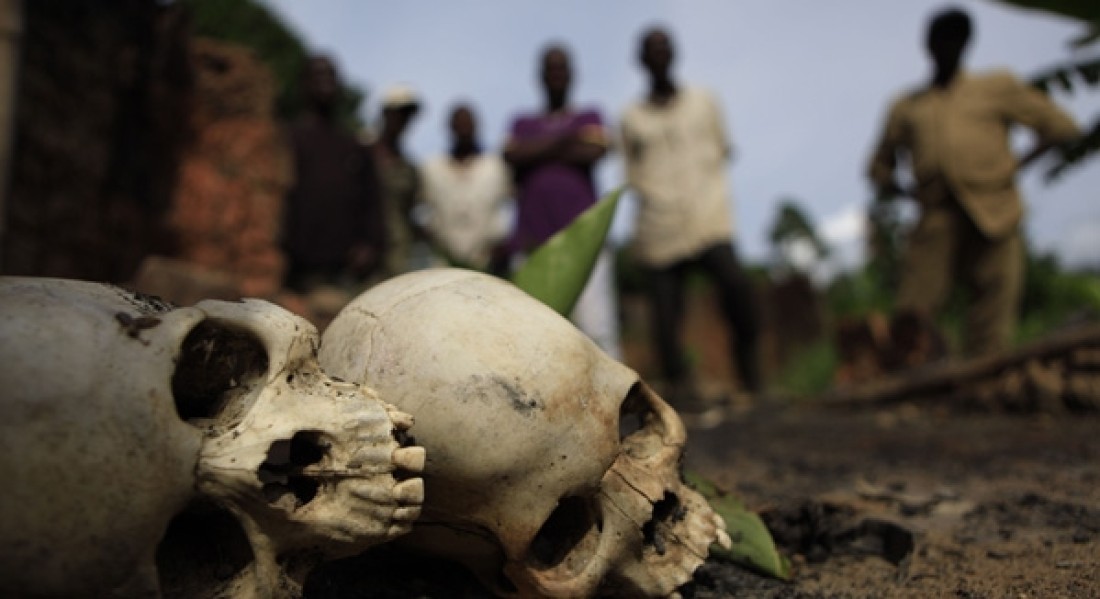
568,538
216,364
634,413
640,428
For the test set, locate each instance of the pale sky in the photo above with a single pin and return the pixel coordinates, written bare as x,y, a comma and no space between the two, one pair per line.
804,85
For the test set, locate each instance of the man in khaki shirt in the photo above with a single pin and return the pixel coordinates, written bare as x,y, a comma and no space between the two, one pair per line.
955,133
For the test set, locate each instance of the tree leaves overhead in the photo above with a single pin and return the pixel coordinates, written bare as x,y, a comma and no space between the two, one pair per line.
1087,11
1070,75
556,272
1082,10
250,24
791,223
791,227
1075,152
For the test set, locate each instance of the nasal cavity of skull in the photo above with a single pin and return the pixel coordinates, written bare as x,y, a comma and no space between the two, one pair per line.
285,474
666,513
216,364
634,413
568,538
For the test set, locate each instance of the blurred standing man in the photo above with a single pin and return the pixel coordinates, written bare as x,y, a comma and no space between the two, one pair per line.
399,177
334,234
552,155
955,133
676,153
465,192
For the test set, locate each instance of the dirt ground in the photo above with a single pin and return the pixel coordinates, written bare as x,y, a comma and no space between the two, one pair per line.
920,499
910,501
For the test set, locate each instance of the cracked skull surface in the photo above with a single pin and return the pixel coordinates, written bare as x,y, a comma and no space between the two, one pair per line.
120,411
552,469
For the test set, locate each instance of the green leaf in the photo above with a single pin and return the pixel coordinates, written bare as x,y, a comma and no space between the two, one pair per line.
1088,38
753,546
555,273
1084,10
1076,152
1087,69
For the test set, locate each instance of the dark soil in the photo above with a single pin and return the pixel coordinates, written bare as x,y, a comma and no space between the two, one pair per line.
906,501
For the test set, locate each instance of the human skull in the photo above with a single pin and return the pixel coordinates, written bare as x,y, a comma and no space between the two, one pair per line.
528,482
120,410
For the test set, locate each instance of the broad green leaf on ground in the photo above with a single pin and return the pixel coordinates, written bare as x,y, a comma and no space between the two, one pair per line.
555,273
753,546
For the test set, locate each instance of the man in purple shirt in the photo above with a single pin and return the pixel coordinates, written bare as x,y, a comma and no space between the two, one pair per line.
552,155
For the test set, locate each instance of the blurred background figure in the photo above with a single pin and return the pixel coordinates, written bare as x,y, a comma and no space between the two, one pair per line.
400,180
552,154
334,233
676,151
465,193
955,133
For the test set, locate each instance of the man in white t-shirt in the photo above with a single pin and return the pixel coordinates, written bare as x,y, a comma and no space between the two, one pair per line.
676,150
465,192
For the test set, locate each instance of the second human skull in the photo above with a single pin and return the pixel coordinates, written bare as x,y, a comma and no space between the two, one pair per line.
552,469
120,410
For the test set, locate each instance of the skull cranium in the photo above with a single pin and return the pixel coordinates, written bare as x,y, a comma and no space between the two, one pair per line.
120,410
528,481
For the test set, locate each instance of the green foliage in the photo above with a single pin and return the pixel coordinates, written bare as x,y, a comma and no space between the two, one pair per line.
555,273
1053,297
1076,151
792,225
1082,10
886,243
810,371
1087,11
1069,77
250,24
1065,75
1086,71
859,293
753,546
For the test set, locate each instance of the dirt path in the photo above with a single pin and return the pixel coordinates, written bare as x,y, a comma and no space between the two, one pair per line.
993,505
